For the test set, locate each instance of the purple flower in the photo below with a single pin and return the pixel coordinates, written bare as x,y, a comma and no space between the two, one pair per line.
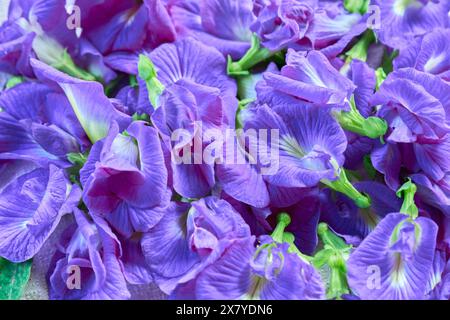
333,28
194,109
434,193
439,283
94,110
415,105
90,250
401,21
190,237
429,53
281,23
223,24
32,203
37,127
394,260
307,78
125,179
184,60
126,25
15,48
310,144
268,272
306,25
346,219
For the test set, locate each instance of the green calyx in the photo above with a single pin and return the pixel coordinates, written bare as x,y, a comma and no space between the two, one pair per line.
334,256
147,72
407,192
343,185
67,65
283,220
372,127
356,6
252,57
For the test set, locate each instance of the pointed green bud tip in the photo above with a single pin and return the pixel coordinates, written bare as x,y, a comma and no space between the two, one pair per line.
375,127
146,68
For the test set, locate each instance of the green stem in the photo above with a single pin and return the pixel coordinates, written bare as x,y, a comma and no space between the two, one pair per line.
283,220
253,56
343,185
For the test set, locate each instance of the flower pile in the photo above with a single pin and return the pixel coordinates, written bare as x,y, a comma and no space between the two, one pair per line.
227,149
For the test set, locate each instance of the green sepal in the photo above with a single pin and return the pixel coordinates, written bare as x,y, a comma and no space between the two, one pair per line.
407,191
147,72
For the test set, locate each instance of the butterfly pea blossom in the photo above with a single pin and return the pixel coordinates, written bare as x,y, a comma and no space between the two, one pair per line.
89,250
125,179
309,78
403,20
311,145
396,259
32,203
224,25
415,106
271,270
429,53
193,236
